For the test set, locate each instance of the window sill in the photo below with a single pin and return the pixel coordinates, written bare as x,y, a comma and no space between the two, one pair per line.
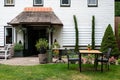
64,5
9,5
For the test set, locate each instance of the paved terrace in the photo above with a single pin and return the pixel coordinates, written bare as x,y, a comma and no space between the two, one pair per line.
23,61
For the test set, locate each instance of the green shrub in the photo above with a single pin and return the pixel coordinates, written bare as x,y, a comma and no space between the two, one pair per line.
118,61
18,47
109,40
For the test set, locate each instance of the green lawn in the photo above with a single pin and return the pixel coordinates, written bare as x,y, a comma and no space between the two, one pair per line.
56,72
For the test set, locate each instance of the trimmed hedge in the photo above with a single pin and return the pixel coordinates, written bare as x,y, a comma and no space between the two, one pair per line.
93,32
76,34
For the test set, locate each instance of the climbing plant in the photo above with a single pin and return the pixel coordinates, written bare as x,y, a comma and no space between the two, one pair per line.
76,34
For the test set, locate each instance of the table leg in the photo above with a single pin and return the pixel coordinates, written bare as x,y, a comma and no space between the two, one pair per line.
80,62
102,64
95,63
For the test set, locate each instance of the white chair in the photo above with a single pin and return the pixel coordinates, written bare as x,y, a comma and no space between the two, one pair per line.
4,53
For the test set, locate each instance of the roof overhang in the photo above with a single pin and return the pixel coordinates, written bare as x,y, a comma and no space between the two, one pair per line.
36,15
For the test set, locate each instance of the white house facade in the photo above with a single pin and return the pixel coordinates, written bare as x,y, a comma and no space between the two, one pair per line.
28,20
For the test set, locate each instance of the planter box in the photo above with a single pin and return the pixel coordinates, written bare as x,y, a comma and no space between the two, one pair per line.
18,54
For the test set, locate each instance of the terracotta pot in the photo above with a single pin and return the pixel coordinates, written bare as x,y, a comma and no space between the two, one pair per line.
88,49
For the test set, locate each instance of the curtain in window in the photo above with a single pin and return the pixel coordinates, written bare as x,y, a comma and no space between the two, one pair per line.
9,1
92,1
65,1
38,1
8,36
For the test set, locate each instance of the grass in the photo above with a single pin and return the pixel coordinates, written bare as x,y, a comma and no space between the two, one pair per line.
56,72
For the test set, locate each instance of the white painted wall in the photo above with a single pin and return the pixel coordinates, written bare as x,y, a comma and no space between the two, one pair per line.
104,15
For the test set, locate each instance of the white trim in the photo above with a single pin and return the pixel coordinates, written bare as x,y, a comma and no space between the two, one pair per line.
93,4
64,4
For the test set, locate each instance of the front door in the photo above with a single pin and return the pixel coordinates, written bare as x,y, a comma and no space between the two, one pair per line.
33,36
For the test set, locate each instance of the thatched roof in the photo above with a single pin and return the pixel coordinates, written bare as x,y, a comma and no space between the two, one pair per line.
30,16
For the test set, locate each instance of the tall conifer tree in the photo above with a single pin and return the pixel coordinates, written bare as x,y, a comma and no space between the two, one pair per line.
109,40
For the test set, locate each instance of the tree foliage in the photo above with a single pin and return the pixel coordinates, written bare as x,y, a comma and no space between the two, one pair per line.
119,31
109,40
76,34
117,8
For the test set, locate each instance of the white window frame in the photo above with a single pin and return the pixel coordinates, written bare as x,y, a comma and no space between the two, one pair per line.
6,34
93,4
65,5
34,3
9,4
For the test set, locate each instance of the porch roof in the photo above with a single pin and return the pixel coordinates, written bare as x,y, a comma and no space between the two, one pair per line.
36,15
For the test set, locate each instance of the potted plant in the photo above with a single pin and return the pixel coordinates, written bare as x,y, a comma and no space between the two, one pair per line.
56,44
42,45
18,50
89,47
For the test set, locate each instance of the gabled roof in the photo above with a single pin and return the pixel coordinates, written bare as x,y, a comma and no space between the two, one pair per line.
36,15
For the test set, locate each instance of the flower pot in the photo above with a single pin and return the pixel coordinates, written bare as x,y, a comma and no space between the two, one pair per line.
89,49
42,58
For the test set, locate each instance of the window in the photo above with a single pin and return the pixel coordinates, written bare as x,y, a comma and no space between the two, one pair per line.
92,3
9,32
9,2
38,2
65,3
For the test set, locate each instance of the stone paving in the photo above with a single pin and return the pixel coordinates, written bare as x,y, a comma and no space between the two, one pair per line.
24,61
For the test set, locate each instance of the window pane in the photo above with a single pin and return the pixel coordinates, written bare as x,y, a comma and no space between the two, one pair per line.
38,1
65,1
9,2
8,35
92,2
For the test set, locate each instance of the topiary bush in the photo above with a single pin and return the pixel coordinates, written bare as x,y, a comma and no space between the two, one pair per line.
93,33
76,34
109,40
